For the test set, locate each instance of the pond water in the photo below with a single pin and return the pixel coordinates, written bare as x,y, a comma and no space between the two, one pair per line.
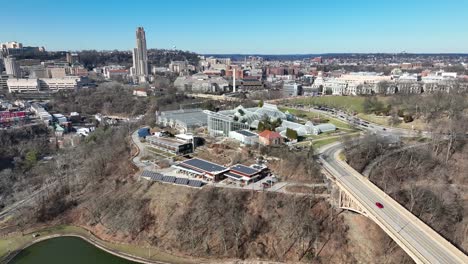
69,250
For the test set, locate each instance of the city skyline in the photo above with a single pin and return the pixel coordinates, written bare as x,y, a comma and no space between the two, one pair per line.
244,27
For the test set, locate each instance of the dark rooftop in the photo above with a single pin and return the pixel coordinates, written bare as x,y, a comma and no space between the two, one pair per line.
203,165
246,133
233,175
244,169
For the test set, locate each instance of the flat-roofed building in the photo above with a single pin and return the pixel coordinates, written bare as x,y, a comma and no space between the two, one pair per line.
292,89
244,136
22,85
243,173
172,145
57,84
202,169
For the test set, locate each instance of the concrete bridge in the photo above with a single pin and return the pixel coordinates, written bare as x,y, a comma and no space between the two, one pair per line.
356,193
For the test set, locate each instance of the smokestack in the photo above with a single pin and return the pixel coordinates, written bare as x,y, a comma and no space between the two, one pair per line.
233,80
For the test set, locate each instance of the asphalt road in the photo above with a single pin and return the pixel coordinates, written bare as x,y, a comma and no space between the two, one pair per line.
425,243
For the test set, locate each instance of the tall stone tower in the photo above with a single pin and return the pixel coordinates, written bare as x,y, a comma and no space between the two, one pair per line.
140,56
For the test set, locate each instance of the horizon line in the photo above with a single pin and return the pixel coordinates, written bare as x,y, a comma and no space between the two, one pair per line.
272,54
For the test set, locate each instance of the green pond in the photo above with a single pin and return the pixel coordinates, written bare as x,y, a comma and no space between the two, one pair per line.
66,250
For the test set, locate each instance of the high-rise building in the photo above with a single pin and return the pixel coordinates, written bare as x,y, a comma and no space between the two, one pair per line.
140,56
11,66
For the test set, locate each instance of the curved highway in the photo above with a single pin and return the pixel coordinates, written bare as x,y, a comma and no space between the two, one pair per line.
420,241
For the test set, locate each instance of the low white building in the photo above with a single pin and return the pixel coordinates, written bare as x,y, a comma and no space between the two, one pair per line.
57,84
22,85
244,136
44,84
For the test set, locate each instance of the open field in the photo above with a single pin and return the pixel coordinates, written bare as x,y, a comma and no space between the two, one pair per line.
320,143
311,115
417,124
349,103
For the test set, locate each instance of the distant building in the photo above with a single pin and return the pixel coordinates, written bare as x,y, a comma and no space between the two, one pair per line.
11,45
17,48
11,48
248,84
268,138
140,57
237,69
3,82
201,83
66,83
22,85
178,66
38,72
78,70
57,72
11,66
115,72
45,84
155,69
292,89
72,58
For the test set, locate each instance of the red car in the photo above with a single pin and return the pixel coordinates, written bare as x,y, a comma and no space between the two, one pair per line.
379,205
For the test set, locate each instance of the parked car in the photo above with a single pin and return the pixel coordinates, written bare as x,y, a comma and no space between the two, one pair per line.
379,205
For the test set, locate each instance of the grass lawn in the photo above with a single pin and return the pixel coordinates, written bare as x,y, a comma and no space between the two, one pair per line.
349,103
383,120
342,156
160,152
311,115
320,143
18,241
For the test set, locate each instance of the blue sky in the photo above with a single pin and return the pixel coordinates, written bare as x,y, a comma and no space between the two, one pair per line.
241,26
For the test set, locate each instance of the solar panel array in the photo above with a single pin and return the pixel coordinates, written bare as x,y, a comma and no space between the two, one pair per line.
170,179
154,176
195,183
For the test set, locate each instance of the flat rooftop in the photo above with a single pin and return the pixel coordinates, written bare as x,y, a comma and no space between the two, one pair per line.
203,165
246,133
244,169
168,141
